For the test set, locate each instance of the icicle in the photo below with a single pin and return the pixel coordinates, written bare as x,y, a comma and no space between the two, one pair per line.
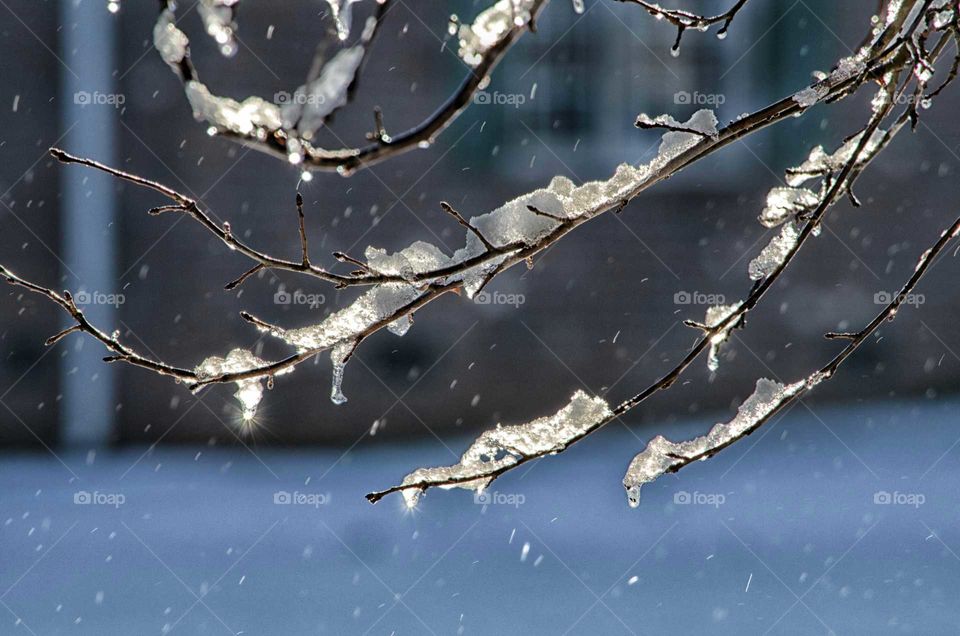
249,390
715,316
339,355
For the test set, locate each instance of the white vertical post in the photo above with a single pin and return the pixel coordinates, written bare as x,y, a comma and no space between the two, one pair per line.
88,112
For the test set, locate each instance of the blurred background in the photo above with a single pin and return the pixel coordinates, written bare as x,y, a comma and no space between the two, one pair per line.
601,311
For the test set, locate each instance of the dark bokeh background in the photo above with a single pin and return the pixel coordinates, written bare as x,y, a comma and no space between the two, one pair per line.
598,307
599,313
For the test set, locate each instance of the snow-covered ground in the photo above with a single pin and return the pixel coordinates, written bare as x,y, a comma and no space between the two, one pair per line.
786,532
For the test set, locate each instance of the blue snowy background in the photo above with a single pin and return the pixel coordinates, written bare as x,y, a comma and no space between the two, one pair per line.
153,515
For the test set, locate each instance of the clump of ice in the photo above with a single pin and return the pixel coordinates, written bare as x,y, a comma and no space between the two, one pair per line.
716,315
217,16
300,114
820,162
776,251
490,27
342,11
313,102
249,390
703,125
847,68
244,118
169,41
662,456
502,447
675,143
787,203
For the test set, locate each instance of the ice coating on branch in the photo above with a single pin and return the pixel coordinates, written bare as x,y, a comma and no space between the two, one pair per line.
342,11
250,390
401,325
169,41
313,102
217,16
810,96
674,143
499,448
509,228
662,456
701,124
716,315
305,111
490,27
820,162
251,115
787,203
847,68
776,251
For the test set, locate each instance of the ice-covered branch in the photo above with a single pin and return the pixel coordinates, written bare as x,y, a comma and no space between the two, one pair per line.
684,20
662,456
408,280
404,282
505,447
807,208
287,129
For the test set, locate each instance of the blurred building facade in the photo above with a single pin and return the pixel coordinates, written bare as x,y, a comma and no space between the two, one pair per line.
601,310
